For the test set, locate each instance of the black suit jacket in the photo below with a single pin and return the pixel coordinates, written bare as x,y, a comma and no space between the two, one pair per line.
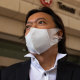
20,71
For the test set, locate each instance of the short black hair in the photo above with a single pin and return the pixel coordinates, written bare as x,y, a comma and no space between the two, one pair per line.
58,21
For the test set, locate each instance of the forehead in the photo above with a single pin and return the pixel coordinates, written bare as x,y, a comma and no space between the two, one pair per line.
40,15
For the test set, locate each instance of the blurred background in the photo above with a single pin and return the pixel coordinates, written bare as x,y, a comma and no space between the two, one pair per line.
12,24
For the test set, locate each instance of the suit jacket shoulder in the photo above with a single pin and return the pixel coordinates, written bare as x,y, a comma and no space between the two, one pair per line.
67,70
17,71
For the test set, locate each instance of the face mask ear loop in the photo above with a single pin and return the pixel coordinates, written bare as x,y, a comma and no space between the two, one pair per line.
60,38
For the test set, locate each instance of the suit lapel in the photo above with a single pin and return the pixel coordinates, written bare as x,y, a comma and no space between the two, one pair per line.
23,72
64,70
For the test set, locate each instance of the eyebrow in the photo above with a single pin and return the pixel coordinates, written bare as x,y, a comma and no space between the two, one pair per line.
30,22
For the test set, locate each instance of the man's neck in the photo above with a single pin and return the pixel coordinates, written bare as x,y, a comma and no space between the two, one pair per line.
47,59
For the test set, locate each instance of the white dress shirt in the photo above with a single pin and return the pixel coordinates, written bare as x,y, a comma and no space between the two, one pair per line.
38,73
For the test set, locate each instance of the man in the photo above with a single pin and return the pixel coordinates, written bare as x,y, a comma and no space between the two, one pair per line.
45,40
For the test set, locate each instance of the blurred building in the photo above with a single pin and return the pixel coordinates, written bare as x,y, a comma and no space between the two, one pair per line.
12,18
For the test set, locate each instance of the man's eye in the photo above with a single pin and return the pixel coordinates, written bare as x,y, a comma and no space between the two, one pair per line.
42,22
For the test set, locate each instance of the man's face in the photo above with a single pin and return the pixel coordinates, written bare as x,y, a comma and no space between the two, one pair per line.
39,20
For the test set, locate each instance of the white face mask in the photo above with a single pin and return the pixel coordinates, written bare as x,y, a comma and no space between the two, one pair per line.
40,40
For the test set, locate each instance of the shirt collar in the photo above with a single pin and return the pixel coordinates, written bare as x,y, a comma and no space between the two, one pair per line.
35,62
59,56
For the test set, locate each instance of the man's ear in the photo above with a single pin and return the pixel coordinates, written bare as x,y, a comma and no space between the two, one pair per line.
60,34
